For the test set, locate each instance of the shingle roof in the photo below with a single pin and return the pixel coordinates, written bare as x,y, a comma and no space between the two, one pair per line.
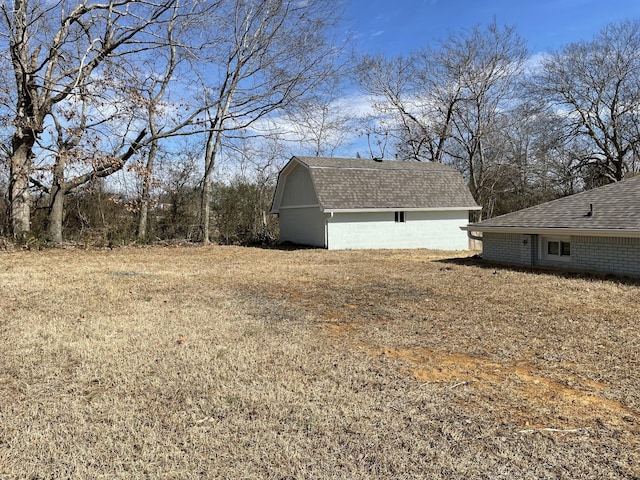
615,207
343,184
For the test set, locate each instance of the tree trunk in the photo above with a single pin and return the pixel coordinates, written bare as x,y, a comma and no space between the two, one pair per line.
205,209
20,169
213,144
56,201
142,221
56,214
146,194
619,164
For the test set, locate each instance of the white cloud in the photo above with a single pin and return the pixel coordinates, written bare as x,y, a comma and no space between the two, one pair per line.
340,134
534,62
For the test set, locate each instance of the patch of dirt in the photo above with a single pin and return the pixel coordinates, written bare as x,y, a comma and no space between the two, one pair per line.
340,329
534,400
538,390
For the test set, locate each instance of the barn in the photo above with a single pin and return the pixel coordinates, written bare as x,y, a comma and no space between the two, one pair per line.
595,231
341,203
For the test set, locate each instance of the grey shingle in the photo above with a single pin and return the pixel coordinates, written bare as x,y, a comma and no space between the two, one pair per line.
359,184
615,207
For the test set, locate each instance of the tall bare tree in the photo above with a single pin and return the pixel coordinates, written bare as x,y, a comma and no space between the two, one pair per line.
595,86
404,106
446,100
76,147
323,122
265,54
55,47
154,90
486,66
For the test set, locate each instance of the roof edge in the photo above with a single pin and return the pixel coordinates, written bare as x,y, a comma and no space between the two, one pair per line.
592,232
397,209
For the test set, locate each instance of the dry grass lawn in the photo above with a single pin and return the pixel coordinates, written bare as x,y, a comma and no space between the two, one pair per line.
243,363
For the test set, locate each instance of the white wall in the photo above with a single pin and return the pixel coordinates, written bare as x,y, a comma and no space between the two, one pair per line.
435,230
302,225
298,188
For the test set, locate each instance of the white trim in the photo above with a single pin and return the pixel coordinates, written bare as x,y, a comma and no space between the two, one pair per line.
543,248
591,232
290,207
396,209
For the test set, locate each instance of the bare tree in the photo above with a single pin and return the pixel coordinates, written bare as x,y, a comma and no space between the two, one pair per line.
266,54
68,152
177,210
323,122
595,86
241,199
55,49
446,101
88,140
154,90
404,106
485,65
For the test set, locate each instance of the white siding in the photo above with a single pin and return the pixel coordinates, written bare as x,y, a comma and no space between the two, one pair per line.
435,230
298,188
305,226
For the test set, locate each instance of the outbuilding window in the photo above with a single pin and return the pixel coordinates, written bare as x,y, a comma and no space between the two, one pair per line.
400,217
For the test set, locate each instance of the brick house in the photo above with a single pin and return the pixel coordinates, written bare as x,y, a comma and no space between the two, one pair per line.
597,230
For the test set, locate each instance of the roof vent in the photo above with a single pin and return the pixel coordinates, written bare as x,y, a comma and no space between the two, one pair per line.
590,212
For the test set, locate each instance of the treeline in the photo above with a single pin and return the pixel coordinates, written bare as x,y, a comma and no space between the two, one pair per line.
98,216
150,121
93,90
521,129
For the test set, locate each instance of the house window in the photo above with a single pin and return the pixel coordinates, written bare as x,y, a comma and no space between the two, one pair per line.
400,217
557,248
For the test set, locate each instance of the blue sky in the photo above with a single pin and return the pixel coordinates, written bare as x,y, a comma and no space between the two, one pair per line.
397,27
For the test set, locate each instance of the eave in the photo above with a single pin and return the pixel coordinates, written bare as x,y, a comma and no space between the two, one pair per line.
587,232
397,209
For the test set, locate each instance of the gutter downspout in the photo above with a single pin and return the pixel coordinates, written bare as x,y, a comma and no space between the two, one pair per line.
326,230
472,236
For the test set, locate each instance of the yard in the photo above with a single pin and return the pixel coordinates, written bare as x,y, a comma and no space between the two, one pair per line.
228,362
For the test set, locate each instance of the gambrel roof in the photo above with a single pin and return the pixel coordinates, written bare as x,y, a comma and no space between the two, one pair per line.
612,210
343,184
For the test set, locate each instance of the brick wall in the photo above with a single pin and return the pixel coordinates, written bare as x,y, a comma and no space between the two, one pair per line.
513,248
620,256
606,254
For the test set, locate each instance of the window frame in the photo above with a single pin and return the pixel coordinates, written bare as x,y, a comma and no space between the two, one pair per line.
400,216
561,242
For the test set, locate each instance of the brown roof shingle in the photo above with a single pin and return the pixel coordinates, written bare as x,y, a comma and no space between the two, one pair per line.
615,207
343,184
